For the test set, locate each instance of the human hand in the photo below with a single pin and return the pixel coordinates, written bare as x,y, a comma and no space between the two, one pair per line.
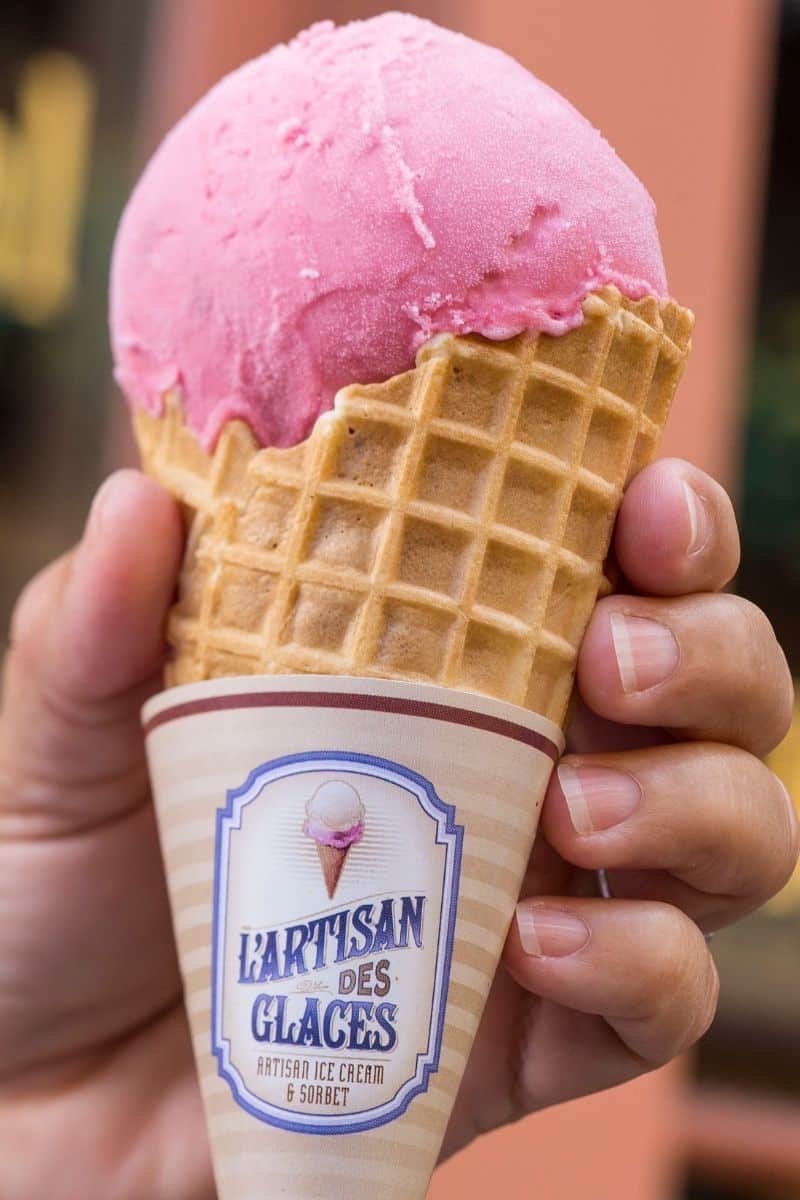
682,690
98,1095
98,1092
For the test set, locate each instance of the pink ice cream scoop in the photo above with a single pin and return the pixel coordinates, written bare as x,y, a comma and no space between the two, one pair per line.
330,206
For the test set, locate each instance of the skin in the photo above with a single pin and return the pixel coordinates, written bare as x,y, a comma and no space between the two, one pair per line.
98,1096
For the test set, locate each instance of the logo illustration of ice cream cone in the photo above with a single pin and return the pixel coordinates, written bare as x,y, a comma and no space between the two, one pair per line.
335,820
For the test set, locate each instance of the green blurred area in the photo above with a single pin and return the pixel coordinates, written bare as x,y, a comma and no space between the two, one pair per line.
770,488
55,375
770,483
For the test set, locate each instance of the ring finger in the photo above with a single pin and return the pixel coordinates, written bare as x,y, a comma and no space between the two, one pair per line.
643,967
706,827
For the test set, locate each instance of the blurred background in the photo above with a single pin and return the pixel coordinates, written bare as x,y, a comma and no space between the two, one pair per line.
702,99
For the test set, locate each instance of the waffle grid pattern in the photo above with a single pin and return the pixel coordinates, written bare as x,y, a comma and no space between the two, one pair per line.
448,526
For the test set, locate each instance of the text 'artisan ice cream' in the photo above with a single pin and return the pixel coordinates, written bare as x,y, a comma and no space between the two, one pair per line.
328,207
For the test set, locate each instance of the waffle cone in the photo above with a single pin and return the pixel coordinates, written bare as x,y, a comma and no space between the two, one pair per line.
448,526
332,860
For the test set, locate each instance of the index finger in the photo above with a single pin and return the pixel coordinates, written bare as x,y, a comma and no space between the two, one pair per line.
676,531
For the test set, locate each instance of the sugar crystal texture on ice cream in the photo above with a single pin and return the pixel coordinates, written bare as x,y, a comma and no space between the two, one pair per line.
330,206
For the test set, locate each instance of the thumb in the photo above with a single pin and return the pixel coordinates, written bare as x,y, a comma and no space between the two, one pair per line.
86,650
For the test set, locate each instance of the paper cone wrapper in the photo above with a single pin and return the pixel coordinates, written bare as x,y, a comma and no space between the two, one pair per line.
398,604
331,1032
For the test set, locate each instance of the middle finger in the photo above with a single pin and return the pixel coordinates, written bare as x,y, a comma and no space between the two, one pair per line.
707,666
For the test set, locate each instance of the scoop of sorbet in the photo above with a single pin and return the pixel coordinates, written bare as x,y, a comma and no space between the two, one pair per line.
330,206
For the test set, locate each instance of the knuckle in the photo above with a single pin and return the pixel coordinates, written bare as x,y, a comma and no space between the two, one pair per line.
707,1002
735,846
33,604
757,634
785,697
680,994
699,995
741,614
793,857
668,971
769,670
760,665
747,615
758,852
789,851
22,615
726,627
755,855
794,827
21,655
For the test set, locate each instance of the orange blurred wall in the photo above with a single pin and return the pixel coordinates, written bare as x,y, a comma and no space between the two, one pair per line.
682,90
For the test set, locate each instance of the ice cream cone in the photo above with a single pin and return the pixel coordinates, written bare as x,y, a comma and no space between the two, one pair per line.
448,526
332,860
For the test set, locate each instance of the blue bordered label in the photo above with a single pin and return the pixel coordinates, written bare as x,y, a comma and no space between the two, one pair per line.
336,882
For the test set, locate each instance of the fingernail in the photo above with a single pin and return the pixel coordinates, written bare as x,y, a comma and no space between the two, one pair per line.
646,651
699,525
550,932
597,797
